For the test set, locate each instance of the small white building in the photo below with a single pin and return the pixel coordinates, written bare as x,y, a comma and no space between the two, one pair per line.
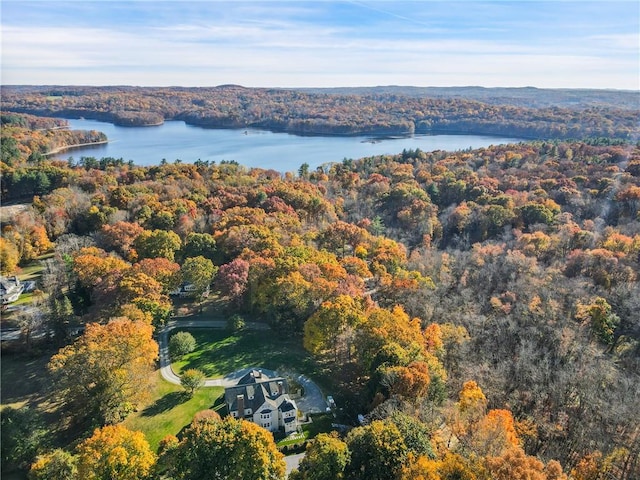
264,401
187,290
10,289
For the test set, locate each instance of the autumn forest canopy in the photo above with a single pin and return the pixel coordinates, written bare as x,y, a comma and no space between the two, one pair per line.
479,307
520,113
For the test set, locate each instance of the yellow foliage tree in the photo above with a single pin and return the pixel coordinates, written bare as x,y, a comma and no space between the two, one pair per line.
115,453
495,433
106,372
9,257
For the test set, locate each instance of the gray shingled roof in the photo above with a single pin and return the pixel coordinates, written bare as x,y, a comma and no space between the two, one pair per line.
257,389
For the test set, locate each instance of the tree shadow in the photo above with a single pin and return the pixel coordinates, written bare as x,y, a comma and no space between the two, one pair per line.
165,403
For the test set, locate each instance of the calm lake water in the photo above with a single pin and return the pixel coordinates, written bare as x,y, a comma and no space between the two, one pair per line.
253,148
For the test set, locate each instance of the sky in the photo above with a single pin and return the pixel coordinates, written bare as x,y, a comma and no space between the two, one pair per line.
550,44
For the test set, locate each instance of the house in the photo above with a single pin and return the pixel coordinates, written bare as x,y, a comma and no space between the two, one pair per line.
264,401
10,289
187,290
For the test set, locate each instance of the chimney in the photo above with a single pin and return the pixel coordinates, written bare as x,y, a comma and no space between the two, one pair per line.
240,403
280,388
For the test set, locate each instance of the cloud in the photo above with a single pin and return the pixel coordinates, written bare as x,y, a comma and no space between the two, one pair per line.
319,44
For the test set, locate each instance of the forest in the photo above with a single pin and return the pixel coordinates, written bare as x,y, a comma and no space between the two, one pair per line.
519,113
479,307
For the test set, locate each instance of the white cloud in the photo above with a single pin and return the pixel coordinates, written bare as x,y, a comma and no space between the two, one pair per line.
255,46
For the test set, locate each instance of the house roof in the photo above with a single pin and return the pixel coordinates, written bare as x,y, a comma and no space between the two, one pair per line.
287,405
253,376
258,391
8,285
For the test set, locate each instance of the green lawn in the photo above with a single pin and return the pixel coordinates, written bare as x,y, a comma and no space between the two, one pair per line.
219,353
170,410
25,382
31,271
24,379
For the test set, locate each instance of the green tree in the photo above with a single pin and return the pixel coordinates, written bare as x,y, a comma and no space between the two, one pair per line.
378,452
55,465
192,380
10,150
22,433
235,323
325,459
199,245
416,435
198,271
227,449
303,171
157,243
180,344
60,316
533,213
603,321
115,453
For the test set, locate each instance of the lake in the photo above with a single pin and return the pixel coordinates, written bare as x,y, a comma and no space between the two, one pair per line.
251,147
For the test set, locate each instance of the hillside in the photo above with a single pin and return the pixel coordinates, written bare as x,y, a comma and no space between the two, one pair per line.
408,278
520,113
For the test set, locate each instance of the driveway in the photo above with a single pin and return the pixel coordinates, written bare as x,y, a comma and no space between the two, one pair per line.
163,342
293,461
312,402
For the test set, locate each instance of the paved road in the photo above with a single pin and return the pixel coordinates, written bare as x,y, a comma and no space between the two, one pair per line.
10,334
313,400
293,461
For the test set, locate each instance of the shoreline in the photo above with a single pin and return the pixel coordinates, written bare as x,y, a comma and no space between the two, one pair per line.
76,145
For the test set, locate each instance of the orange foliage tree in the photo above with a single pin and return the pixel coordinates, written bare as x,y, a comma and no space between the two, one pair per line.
107,372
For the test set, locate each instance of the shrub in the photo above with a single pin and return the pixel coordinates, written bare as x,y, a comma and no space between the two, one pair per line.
235,323
180,344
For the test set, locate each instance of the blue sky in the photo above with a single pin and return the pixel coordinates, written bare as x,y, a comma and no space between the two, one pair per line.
564,44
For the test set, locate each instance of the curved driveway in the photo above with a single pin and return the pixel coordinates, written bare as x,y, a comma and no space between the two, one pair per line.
165,361
312,402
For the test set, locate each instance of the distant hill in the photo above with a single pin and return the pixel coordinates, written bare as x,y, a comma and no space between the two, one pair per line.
523,96
527,113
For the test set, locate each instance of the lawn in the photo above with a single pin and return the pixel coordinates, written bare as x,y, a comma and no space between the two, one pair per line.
25,382
170,410
24,379
33,270
219,353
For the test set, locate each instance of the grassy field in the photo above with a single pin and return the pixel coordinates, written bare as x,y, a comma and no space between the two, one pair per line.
24,379
33,270
25,382
219,353
170,410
